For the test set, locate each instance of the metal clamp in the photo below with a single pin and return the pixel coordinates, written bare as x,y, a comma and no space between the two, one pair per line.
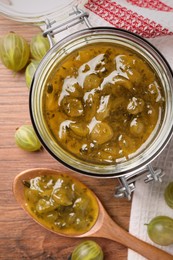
53,27
125,189
127,184
154,174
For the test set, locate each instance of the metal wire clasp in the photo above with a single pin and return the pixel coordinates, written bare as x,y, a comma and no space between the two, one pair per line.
127,183
53,27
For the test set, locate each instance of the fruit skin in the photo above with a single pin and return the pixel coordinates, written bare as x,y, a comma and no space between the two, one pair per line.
26,138
14,51
29,72
39,46
168,195
87,250
160,230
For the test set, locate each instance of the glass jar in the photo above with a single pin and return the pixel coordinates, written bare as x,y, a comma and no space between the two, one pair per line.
156,141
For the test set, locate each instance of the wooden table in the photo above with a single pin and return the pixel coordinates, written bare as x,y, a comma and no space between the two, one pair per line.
20,237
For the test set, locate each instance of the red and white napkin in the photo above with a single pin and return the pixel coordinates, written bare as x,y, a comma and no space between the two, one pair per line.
146,18
153,20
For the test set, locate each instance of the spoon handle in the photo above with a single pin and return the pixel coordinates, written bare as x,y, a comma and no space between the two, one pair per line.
114,232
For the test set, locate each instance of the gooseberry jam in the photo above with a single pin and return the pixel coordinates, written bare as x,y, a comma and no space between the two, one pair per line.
61,204
103,102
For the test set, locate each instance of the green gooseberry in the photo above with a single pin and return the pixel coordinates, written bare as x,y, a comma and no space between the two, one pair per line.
39,46
160,230
30,71
14,51
168,195
87,250
26,138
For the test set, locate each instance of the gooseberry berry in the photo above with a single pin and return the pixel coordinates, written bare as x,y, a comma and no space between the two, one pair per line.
29,72
39,46
87,250
160,230
26,138
14,51
168,194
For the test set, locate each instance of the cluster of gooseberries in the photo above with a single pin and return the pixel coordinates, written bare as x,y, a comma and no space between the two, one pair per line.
16,54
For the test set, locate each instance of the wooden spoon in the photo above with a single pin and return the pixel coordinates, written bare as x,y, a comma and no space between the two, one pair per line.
104,227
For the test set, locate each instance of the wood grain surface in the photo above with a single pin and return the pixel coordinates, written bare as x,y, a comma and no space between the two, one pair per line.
20,237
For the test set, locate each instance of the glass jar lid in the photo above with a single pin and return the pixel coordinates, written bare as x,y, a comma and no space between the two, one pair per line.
37,11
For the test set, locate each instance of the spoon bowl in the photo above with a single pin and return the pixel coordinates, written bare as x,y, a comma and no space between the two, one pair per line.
103,227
